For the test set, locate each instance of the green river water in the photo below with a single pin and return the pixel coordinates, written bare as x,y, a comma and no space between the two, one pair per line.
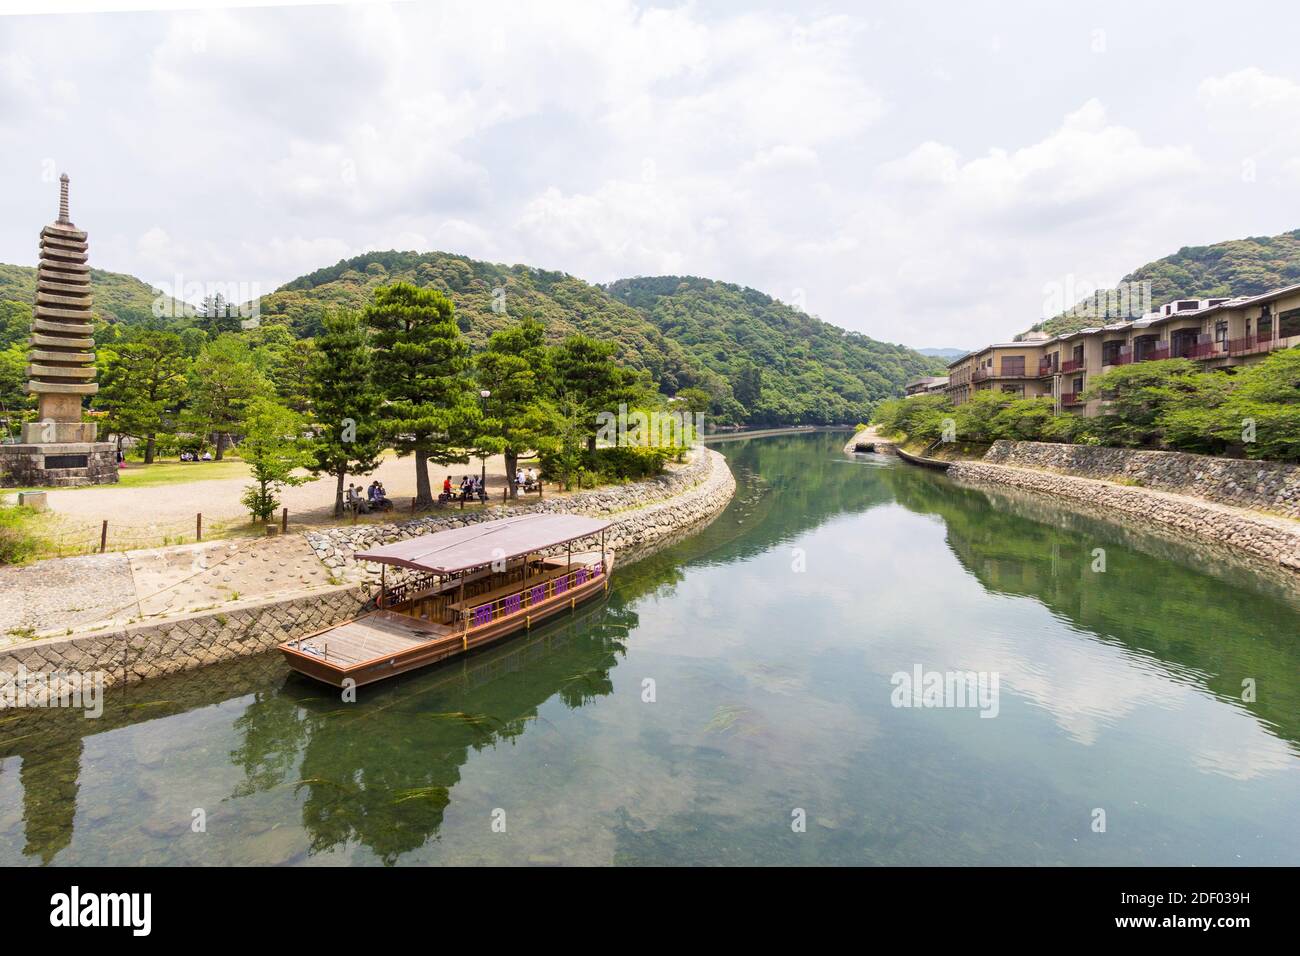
771,637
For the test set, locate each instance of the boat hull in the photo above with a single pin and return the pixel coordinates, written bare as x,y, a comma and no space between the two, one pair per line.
339,674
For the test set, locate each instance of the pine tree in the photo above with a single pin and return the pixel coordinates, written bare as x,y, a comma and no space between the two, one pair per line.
420,367
144,384
345,402
520,417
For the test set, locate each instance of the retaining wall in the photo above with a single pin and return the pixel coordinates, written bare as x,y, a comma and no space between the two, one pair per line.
1256,485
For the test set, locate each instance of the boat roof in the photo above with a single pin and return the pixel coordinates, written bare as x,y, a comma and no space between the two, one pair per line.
446,552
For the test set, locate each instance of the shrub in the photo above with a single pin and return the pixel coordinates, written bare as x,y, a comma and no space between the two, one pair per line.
18,541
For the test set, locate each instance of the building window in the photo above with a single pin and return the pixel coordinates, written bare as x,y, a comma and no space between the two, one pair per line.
1013,365
1221,332
1288,323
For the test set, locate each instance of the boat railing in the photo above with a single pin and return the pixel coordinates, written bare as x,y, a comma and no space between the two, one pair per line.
410,588
520,601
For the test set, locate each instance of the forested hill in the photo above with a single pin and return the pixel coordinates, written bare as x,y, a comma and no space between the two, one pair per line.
487,297
783,364
117,297
1236,267
762,362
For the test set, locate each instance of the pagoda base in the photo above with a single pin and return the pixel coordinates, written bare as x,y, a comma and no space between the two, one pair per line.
56,433
58,464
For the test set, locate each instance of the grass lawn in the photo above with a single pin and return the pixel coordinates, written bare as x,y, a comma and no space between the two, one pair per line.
137,475
164,472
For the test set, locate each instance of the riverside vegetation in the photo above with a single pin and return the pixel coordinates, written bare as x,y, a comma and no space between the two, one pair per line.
1170,404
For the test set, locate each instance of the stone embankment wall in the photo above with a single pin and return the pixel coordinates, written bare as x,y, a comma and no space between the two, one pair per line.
140,651
1255,485
641,513
1275,540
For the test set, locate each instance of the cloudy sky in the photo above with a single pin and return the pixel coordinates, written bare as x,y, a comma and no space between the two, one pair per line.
932,178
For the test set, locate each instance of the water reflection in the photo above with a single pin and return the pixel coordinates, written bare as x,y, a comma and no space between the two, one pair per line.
1199,614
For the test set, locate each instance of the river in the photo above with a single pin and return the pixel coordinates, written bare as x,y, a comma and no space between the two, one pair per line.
735,699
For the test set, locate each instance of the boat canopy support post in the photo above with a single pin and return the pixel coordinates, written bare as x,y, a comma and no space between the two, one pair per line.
383,582
602,552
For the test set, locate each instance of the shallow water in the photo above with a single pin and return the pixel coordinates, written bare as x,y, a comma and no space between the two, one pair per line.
1119,691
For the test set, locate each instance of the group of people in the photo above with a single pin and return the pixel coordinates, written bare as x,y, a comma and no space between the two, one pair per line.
471,486
195,456
375,498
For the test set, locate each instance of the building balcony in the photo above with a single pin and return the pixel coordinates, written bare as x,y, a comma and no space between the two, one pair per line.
1045,369
1159,353
1072,398
1252,344
1122,357
1073,365
1198,350
983,374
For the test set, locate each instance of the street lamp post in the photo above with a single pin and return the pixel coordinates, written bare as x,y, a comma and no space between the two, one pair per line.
484,394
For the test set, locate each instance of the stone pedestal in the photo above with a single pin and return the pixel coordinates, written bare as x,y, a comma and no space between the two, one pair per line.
58,465
48,433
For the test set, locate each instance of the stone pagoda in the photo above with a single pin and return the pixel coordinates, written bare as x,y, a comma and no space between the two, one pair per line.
59,449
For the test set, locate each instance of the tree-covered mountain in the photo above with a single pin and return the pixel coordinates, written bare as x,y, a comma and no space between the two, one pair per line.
783,365
759,361
487,296
948,355
1236,267
117,297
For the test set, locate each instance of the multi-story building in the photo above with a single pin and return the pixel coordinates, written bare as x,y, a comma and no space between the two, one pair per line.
1220,333
929,385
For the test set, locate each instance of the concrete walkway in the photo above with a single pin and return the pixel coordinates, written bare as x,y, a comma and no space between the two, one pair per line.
110,590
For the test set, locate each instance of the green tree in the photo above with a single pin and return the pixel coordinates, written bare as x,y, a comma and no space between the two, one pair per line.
274,450
143,382
223,381
521,418
345,402
587,377
15,403
285,362
421,362
1137,396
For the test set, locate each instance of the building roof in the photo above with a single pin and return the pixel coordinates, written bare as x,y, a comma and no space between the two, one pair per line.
1146,321
446,552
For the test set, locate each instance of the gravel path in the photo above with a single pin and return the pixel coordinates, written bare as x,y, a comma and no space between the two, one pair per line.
174,505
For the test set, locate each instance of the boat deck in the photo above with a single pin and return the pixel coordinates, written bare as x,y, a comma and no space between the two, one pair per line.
379,634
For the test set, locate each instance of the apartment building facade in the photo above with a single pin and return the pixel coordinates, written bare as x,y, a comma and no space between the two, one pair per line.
1220,333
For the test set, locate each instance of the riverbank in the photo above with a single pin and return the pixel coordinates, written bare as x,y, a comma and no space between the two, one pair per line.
1246,506
686,497
1274,540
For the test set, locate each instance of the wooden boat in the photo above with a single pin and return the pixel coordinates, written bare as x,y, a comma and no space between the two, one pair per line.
938,464
468,587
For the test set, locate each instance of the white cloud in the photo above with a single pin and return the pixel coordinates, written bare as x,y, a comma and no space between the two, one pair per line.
787,151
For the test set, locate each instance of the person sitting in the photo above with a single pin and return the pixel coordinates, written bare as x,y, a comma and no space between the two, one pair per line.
207,456
378,498
356,502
